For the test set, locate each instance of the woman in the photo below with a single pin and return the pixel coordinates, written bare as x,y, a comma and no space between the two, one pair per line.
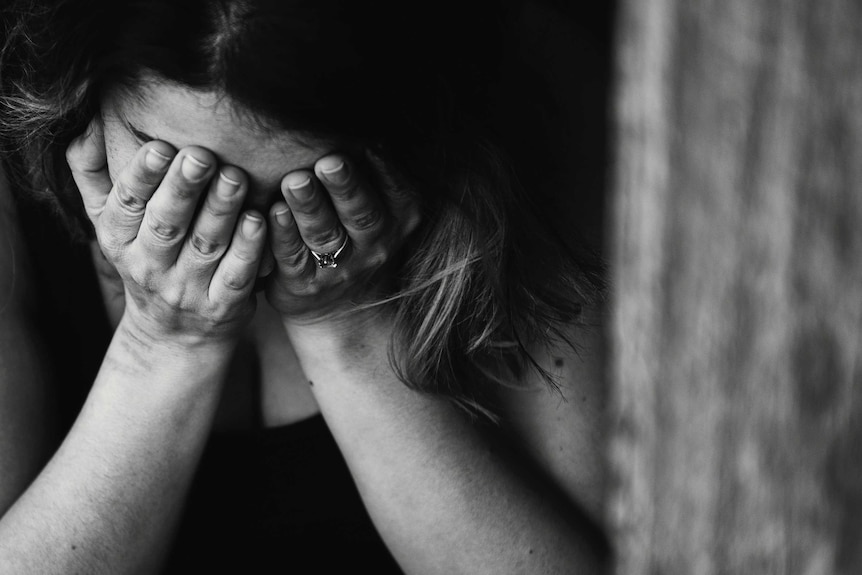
414,297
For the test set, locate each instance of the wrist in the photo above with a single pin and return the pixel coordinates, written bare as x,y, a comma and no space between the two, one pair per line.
355,342
342,332
150,346
141,370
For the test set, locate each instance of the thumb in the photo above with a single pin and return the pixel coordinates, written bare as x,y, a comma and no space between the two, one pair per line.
88,162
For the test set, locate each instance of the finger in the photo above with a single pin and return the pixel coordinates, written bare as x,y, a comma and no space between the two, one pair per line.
267,263
211,231
358,208
311,209
233,280
88,163
402,201
171,209
124,208
291,254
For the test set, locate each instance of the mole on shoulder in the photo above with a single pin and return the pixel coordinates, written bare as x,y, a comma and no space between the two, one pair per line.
558,361
311,383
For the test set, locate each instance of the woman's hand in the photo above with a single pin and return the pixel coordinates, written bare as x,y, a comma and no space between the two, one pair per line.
333,238
186,276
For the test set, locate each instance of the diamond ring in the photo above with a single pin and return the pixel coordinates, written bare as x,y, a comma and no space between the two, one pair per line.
327,259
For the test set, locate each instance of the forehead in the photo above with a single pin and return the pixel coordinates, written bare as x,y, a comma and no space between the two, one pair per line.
182,117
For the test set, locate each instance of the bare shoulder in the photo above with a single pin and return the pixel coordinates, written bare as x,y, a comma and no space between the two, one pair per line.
563,430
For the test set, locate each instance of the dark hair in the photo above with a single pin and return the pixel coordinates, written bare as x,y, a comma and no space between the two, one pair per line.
417,82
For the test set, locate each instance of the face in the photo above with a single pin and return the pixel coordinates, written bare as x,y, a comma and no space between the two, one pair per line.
182,117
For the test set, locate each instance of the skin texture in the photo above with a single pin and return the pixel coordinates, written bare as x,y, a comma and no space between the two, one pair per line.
106,502
182,117
447,495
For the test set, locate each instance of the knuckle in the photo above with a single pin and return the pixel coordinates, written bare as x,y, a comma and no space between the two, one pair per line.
312,207
128,200
93,210
184,191
205,247
141,276
162,230
221,209
366,220
327,237
235,280
293,261
246,255
174,295
109,243
291,256
379,257
400,192
346,191
396,190
220,313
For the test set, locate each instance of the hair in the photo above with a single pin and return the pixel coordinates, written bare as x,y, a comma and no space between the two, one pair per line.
483,278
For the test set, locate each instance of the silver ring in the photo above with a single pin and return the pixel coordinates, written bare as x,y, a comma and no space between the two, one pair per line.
327,260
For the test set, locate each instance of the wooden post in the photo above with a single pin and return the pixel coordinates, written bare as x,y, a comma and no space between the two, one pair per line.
737,332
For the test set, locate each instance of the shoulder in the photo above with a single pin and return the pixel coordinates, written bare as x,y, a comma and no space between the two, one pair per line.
562,430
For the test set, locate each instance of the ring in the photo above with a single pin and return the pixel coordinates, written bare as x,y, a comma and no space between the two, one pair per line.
327,260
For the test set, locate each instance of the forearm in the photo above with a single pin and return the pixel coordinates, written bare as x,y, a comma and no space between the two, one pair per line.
442,496
107,500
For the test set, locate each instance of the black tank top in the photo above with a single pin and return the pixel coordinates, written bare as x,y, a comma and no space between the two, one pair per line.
277,500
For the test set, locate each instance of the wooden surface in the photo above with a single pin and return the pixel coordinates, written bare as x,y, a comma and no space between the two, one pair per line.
737,237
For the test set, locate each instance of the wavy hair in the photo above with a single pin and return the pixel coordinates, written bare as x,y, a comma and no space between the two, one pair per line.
485,277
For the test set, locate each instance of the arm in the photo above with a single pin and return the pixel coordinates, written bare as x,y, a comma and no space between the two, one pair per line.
562,432
108,499
447,495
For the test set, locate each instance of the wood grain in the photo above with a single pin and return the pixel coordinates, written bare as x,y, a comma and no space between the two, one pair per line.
737,334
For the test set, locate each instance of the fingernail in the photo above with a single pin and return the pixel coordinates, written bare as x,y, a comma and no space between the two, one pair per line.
251,224
301,189
194,169
231,185
334,170
282,216
156,160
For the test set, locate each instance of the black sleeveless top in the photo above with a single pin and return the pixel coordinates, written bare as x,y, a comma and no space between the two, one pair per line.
278,499
265,500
